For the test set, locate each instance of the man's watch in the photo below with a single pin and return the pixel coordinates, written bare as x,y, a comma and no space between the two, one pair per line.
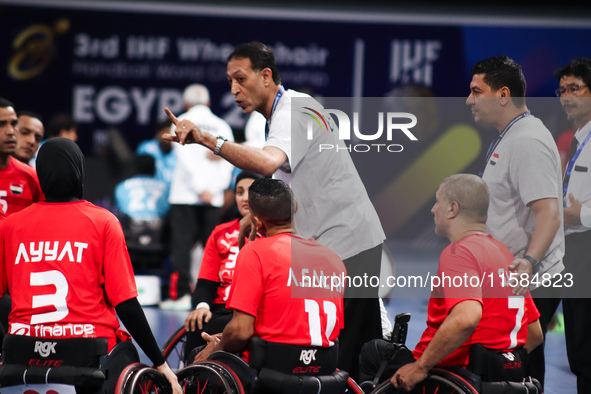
218,145
534,264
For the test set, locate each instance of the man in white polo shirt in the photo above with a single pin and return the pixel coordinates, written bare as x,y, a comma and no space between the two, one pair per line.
575,97
523,174
333,205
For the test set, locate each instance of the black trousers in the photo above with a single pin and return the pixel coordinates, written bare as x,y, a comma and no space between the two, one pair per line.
188,224
576,305
362,311
547,304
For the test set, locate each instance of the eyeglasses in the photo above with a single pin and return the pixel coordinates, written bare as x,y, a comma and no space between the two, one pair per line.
570,89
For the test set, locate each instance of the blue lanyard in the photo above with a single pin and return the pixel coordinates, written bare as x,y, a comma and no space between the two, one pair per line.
275,102
496,141
571,163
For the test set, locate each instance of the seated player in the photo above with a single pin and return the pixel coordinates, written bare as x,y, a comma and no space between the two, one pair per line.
66,266
460,315
271,297
216,272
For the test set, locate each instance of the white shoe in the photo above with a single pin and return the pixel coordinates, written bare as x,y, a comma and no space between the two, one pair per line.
182,304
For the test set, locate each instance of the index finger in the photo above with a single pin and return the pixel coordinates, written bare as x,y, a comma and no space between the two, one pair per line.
171,116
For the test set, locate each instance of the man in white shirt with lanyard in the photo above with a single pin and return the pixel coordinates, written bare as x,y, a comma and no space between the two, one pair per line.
575,97
333,205
523,173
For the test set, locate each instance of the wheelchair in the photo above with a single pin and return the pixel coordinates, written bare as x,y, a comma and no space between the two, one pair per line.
74,365
273,368
488,372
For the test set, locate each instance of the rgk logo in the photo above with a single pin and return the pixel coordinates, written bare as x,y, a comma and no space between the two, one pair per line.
44,348
307,356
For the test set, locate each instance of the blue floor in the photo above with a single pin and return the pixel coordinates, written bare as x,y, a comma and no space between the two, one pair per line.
407,260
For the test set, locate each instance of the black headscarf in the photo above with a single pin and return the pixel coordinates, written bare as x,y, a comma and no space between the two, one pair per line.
60,168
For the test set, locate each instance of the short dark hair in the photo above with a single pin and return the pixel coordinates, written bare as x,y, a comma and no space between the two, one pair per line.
30,114
501,71
5,103
260,56
58,123
272,201
145,165
163,125
247,175
580,68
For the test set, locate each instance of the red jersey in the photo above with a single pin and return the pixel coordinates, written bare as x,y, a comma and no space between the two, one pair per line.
66,266
264,278
19,187
2,215
219,258
503,325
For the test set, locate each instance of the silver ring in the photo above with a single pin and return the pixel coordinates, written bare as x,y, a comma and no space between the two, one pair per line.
183,127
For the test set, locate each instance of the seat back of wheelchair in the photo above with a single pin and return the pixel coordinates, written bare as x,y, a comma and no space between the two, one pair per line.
82,364
285,369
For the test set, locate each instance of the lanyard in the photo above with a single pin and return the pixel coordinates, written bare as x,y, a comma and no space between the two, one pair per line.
275,102
496,141
571,163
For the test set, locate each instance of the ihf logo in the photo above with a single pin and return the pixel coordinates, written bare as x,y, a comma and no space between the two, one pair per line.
394,122
412,61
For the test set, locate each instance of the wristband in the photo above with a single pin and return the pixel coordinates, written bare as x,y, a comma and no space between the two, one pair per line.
534,264
202,305
218,145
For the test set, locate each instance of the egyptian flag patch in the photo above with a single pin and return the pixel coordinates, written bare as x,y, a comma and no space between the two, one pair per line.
495,156
17,188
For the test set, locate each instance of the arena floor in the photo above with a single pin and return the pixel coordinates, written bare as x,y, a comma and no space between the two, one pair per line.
408,260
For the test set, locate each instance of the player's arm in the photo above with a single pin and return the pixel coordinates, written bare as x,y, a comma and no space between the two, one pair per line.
234,339
263,161
237,332
535,336
454,331
132,316
547,222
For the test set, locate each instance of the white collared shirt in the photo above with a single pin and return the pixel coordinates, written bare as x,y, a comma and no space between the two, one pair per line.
579,183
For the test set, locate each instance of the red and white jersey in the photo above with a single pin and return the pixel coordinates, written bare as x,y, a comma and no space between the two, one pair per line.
2,214
19,187
66,266
268,271
219,258
505,317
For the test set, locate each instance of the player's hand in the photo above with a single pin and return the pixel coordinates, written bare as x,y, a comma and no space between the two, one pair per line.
521,266
200,315
408,376
213,342
248,229
165,370
186,131
572,214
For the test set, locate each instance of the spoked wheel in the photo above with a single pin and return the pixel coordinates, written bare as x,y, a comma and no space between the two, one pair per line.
138,378
174,349
209,377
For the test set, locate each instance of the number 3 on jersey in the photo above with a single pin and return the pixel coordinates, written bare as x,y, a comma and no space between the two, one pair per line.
57,299
314,321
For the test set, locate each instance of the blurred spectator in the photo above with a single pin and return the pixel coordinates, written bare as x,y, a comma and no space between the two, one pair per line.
196,194
142,201
162,151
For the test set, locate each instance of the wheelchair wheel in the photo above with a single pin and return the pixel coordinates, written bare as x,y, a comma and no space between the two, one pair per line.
353,387
209,377
174,349
138,378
